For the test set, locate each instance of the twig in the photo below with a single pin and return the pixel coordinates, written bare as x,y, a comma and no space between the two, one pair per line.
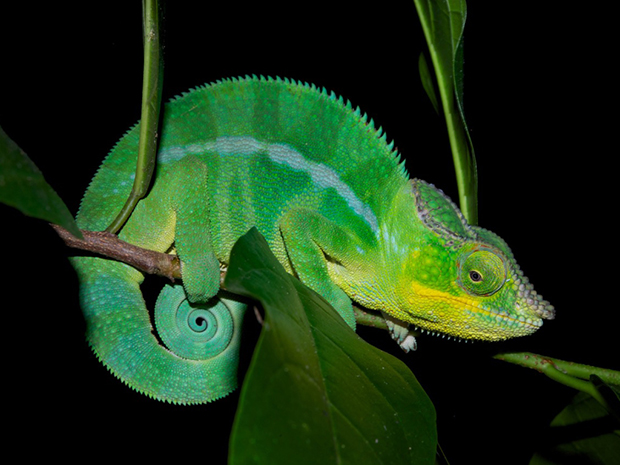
162,264
574,375
110,246
365,318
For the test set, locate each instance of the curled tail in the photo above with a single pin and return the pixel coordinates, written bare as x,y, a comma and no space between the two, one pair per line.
199,361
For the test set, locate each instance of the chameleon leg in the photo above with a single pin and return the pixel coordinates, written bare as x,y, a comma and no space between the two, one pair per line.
177,212
399,330
192,237
311,240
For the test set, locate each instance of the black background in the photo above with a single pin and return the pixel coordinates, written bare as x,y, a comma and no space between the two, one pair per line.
539,104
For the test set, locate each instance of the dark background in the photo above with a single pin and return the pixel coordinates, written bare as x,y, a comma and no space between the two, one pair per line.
539,108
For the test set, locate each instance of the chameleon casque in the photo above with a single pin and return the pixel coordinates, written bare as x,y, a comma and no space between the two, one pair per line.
338,209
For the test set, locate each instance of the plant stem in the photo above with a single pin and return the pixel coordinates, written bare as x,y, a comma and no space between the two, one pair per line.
369,319
570,374
151,101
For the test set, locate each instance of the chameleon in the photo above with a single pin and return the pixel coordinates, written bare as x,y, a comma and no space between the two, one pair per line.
337,207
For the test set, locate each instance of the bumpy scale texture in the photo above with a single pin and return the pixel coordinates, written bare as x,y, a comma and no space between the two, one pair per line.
337,208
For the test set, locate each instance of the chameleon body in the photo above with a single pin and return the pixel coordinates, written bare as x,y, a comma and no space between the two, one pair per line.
334,202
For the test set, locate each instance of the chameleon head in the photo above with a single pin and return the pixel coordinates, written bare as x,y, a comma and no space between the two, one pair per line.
463,280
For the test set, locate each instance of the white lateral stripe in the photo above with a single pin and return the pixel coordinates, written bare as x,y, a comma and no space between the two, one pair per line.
322,175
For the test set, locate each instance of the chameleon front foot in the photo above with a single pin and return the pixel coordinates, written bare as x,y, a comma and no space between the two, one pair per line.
399,331
409,343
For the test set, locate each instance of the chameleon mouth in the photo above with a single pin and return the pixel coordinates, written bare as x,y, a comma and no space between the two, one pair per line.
503,320
465,317
481,325
505,328
477,322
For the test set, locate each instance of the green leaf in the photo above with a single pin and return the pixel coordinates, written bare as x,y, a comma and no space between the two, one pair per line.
581,433
23,186
610,394
427,81
443,22
315,392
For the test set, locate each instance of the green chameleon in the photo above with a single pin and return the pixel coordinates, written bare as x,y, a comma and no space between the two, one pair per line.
335,204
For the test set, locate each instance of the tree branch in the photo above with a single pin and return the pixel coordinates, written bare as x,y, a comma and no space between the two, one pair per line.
574,375
110,246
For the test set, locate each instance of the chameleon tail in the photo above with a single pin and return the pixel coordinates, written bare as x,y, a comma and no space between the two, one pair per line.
199,362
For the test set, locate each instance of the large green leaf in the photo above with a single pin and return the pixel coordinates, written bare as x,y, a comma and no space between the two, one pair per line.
315,392
23,186
443,22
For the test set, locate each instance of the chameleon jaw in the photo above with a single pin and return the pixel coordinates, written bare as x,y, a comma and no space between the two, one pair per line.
467,317
464,317
405,336
478,325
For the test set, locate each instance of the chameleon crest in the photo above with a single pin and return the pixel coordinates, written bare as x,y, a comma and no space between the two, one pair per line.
335,204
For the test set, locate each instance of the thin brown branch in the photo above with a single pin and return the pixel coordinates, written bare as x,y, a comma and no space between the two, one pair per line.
110,246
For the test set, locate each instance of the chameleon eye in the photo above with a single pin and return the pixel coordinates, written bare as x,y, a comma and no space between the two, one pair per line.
482,272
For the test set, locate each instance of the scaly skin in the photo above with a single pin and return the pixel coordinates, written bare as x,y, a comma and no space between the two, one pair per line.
336,206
